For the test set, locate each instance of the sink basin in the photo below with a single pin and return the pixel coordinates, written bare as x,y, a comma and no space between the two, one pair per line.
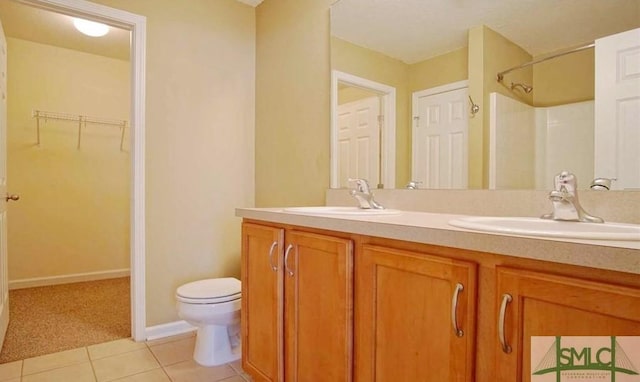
332,210
550,228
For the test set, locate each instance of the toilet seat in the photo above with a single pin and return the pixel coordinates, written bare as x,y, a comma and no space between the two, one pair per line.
210,291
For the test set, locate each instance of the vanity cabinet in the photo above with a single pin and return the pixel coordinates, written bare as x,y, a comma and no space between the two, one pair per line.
539,304
415,316
297,312
320,305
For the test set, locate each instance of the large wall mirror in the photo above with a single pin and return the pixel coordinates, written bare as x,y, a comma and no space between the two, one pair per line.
428,50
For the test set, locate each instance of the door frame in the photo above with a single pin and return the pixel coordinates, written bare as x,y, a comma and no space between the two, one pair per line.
388,143
137,25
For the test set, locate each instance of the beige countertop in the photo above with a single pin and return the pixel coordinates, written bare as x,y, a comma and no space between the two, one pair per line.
433,228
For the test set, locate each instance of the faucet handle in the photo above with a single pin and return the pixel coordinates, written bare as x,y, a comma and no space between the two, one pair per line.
602,183
413,185
565,180
557,196
362,185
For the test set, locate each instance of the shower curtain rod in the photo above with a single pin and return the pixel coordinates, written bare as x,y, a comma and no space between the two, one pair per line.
500,75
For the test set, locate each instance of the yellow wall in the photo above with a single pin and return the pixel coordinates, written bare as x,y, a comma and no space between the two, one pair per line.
200,100
73,215
348,94
490,53
565,79
292,102
441,70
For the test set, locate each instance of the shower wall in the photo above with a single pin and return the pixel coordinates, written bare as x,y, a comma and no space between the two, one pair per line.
512,145
567,133
73,215
529,145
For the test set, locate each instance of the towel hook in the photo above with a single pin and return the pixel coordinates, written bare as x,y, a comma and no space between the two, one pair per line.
474,107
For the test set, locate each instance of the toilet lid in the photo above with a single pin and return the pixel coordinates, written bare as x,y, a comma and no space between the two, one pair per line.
210,291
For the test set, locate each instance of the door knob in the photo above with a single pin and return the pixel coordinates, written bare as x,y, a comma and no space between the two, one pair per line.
13,197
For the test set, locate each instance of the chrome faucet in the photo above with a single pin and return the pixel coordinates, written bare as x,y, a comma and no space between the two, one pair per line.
363,195
565,201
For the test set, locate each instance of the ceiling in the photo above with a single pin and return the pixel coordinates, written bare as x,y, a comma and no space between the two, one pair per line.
46,27
414,30
42,26
409,30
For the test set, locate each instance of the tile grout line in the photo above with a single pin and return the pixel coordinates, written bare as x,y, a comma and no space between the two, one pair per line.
55,367
114,355
93,369
157,360
139,373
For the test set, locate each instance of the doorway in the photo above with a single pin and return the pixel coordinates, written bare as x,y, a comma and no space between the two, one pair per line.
136,25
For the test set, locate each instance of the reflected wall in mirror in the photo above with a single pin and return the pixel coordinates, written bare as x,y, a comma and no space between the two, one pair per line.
413,47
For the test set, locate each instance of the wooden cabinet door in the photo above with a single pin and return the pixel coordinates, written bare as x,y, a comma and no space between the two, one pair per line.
262,309
549,305
405,313
318,308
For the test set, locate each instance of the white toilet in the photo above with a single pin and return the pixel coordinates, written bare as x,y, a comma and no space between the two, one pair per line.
213,305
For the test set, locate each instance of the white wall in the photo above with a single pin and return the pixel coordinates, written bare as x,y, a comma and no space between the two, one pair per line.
529,145
512,144
568,133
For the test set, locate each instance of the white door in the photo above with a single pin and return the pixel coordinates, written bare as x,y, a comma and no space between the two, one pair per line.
617,109
359,141
440,131
4,282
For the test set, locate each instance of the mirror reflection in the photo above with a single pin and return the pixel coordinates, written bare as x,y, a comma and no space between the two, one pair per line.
362,131
441,61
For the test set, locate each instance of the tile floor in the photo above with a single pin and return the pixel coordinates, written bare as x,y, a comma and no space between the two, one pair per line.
164,360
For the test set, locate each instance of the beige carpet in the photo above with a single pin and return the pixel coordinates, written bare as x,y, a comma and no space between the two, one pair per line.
49,319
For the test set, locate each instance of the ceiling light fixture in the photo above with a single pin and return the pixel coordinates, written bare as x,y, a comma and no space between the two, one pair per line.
90,28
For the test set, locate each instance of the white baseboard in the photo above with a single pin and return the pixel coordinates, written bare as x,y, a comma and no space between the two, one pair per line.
66,279
169,329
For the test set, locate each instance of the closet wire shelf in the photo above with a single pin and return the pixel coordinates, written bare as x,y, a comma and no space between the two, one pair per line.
82,121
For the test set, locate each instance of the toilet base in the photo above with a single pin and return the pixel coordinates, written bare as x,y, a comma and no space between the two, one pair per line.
217,345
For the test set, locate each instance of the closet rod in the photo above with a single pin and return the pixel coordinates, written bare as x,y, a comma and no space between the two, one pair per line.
500,75
82,121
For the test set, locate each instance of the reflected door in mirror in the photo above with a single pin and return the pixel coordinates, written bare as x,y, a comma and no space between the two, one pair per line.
440,131
359,140
617,112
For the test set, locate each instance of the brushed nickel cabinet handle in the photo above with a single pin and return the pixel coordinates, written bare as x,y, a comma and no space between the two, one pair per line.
286,258
454,310
506,299
273,246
